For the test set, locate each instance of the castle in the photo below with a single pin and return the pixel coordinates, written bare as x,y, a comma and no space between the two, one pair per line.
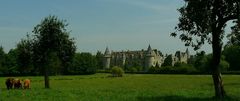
144,58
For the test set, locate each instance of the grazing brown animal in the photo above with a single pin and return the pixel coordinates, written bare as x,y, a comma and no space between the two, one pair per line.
9,83
17,83
26,84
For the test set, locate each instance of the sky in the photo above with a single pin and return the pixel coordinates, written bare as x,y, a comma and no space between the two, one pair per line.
97,24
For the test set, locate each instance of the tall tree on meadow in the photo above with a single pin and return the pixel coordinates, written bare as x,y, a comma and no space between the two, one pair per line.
52,39
204,21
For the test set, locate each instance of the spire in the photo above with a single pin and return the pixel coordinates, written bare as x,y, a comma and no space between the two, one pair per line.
107,52
149,51
107,59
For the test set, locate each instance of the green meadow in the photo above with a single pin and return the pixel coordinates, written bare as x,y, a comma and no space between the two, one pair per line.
131,87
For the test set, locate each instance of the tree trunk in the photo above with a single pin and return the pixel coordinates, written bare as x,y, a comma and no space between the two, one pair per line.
46,77
216,73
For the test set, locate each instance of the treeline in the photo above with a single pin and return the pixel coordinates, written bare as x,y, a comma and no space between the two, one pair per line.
17,62
13,64
198,64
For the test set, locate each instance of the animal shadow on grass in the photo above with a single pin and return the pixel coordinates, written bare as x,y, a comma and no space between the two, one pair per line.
182,98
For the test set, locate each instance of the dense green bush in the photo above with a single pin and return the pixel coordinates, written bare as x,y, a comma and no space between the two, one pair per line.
232,56
203,63
184,68
224,65
179,68
154,70
132,70
83,63
117,71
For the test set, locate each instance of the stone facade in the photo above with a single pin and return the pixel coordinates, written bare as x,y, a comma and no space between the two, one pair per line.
181,57
145,58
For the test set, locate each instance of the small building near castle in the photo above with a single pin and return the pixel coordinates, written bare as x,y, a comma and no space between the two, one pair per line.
181,57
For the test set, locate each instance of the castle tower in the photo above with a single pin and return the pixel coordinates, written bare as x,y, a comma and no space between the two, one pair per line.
149,59
173,59
107,59
187,52
123,59
187,55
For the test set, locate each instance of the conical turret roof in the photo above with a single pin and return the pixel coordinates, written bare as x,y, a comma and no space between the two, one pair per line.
107,52
149,51
149,48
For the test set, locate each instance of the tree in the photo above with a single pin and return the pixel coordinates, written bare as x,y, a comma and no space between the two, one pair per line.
232,48
234,36
205,20
2,60
10,62
51,38
232,54
201,62
24,55
84,63
168,61
99,59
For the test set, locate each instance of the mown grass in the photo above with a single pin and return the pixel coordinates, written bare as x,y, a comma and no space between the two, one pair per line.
131,87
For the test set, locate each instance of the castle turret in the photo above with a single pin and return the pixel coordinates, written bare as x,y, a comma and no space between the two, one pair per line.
107,59
123,59
187,52
149,59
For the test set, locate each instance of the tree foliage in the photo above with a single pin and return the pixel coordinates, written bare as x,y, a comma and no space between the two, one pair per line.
232,54
234,36
202,18
52,38
168,61
204,21
99,59
3,69
84,63
24,55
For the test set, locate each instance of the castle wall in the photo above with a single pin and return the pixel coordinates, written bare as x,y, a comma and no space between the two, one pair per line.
136,58
149,62
106,62
144,58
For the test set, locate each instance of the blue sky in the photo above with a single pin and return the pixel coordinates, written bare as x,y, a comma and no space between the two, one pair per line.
95,24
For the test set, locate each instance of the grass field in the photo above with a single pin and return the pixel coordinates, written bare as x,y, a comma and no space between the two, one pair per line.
131,87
